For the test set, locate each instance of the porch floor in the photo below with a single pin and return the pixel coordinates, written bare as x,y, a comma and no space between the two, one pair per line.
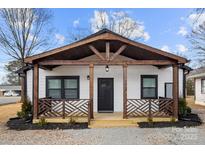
115,119
108,116
105,120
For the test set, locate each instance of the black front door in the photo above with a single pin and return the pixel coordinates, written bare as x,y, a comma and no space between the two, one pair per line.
105,94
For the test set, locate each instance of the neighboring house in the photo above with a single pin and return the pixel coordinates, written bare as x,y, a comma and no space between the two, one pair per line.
9,88
105,72
199,84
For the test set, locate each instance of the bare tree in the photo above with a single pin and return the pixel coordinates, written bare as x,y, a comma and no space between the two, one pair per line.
119,21
78,33
197,35
22,31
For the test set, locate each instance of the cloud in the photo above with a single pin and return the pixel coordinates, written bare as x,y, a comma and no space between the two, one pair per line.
99,20
30,37
165,48
76,23
60,38
181,48
195,19
182,31
120,22
146,36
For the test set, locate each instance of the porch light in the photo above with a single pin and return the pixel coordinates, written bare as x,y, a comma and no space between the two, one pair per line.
107,68
88,77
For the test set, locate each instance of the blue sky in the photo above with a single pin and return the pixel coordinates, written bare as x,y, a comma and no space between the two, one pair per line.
167,28
161,24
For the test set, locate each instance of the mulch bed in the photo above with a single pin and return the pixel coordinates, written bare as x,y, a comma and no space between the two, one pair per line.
21,124
191,120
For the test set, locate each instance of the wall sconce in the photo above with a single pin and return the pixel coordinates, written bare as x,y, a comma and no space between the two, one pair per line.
107,68
88,77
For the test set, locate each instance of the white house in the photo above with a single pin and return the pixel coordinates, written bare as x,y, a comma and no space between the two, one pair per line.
199,84
105,72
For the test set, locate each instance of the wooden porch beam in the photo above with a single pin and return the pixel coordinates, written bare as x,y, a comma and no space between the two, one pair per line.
134,62
107,51
120,50
96,52
35,89
175,89
124,91
91,87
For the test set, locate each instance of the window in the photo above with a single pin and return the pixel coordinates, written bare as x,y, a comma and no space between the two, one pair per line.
62,87
149,86
203,86
54,88
168,90
71,88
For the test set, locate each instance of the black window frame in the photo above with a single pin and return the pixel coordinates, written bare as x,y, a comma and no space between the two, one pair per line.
165,89
62,78
202,80
156,86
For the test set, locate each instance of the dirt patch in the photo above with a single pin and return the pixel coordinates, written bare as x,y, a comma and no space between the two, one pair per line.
20,124
8,111
191,104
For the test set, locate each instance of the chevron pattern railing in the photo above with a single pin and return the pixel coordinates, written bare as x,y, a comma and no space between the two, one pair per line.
49,108
150,107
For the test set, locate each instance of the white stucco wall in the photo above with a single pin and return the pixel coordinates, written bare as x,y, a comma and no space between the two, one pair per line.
199,97
116,72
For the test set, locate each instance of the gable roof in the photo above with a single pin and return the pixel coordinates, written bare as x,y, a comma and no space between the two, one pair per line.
105,34
197,73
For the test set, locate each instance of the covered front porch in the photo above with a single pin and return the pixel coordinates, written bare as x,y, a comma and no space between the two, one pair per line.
126,104
106,56
137,109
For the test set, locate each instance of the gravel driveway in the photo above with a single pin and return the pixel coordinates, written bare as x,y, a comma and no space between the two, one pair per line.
102,135
105,136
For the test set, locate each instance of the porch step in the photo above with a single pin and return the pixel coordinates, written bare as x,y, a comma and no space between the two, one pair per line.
112,123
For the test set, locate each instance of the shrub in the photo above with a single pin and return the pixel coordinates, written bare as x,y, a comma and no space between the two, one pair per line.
26,109
183,108
72,121
150,119
188,109
173,119
42,122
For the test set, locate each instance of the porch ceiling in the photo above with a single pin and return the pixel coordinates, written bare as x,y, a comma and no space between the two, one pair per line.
83,51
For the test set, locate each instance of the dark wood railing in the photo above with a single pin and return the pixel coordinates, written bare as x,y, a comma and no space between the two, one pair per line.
50,108
150,107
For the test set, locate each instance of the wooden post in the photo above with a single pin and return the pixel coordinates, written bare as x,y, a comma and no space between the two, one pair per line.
91,74
150,109
89,113
124,91
175,89
107,51
194,89
35,90
64,109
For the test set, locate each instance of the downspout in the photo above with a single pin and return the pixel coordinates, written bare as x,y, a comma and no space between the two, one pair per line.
184,84
185,73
